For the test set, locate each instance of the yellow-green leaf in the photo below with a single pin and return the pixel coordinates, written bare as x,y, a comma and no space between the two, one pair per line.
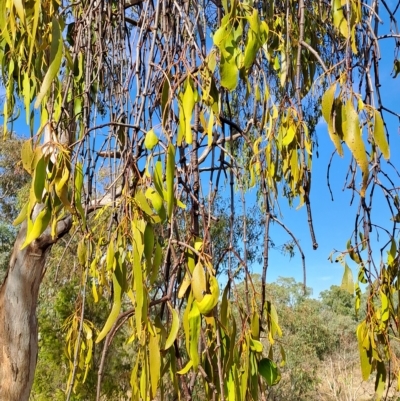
347,280
353,139
339,19
194,330
112,317
39,179
209,301
199,284
379,135
41,222
327,104
186,368
384,307
55,61
27,156
155,364
364,348
174,327
150,140
170,179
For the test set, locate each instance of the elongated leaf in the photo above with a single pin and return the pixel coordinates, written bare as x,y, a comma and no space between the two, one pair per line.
347,280
155,364
55,61
174,328
194,329
22,215
170,172
39,179
112,317
41,223
379,135
384,307
353,139
327,104
186,368
339,19
364,347
27,156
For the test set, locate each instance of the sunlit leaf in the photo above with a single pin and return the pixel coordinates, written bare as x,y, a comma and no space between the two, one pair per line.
55,61
380,136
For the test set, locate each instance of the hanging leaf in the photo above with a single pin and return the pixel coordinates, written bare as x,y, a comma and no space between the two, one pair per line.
327,104
55,61
209,301
199,285
347,280
150,140
339,19
194,330
174,327
353,139
379,135
112,317
39,226
155,364
170,172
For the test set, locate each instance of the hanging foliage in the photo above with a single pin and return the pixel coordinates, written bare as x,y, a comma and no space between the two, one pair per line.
169,98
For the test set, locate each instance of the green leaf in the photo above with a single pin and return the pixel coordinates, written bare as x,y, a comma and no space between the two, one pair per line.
155,364
39,179
188,101
55,61
41,223
150,140
174,327
347,280
253,40
78,183
352,137
379,135
27,156
22,215
164,100
199,284
112,317
365,355
186,368
339,19
170,172
209,301
269,371
327,104
384,307
157,202
194,330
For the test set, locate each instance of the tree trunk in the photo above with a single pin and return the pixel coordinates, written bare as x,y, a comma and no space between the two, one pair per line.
18,321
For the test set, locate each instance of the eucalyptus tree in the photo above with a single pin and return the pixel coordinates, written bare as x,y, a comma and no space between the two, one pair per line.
170,100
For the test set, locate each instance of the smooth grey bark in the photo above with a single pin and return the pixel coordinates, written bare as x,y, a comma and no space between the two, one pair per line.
18,321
